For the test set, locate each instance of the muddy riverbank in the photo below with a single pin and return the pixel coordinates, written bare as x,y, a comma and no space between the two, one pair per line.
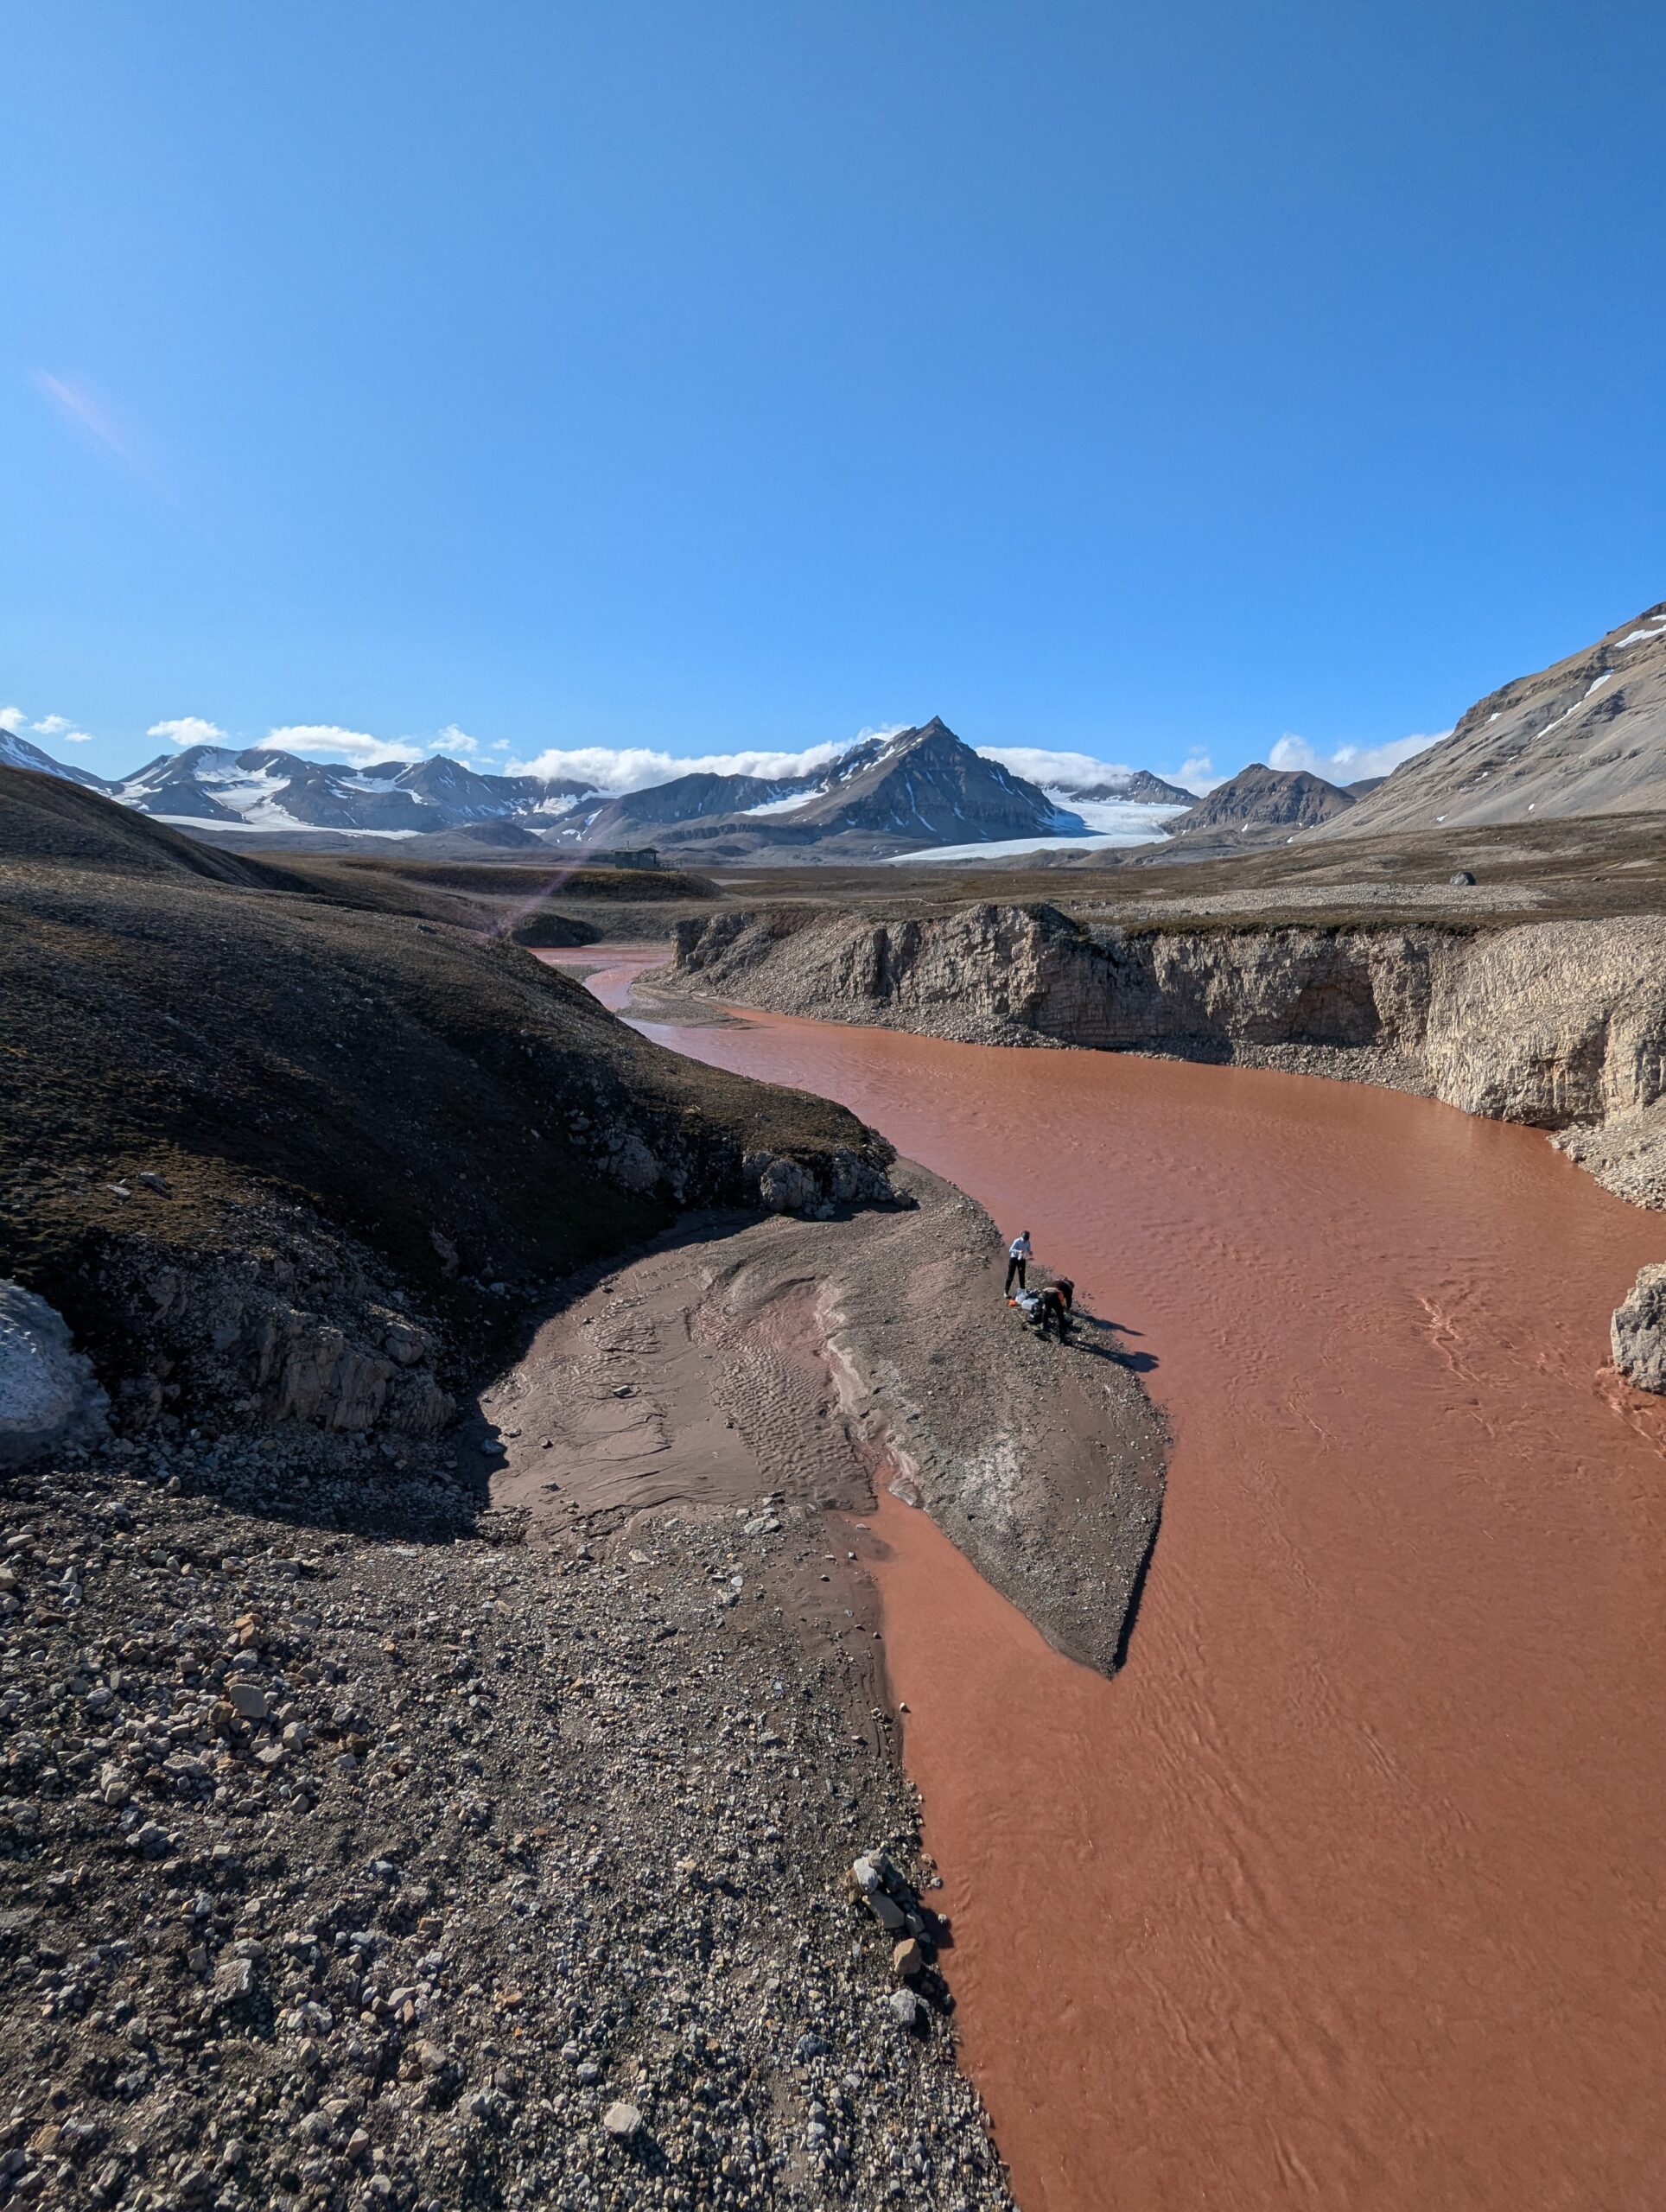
800,1360
1358,1850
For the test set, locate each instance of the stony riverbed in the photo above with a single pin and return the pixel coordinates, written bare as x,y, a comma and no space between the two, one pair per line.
371,1855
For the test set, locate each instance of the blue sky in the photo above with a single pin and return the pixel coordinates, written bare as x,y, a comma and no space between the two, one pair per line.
1150,382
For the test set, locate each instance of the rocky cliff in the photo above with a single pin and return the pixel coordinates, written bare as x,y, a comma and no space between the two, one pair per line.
1560,1025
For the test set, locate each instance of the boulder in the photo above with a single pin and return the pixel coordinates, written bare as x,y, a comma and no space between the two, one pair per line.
49,1397
908,1959
407,1343
1637,1332
783,1185
630,1161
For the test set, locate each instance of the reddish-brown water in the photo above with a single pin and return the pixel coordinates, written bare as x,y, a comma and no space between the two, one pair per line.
1348,1892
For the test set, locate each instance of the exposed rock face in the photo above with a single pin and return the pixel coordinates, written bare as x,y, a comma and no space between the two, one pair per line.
50,1398
1638,1332
1559,1024
302,1334
1016,974
1259,797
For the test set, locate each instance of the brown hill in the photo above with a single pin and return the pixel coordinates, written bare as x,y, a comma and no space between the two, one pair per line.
1259,799
341,1107
1584,737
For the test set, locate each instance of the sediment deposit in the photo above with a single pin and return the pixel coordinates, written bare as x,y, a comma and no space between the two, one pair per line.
1359,1849
1560,1025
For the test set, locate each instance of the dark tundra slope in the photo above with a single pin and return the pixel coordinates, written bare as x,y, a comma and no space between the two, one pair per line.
312,1114
361,1844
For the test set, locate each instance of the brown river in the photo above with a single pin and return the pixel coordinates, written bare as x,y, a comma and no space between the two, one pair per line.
1349,1890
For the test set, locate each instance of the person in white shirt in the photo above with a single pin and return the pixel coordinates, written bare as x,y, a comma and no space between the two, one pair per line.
1018,1253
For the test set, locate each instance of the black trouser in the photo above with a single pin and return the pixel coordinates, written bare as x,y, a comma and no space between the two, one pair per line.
1014,1267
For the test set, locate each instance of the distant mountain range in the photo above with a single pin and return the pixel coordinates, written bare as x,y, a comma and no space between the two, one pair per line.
1584,737
885,797
264,790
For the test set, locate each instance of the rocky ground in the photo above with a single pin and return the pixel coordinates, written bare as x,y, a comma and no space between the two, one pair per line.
356,1851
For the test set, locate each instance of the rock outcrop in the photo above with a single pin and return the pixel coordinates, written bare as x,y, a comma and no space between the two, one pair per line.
1561,1025
1638,1332
50,1400
1259,797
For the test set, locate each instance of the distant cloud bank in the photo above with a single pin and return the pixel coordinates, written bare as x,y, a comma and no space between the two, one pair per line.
1054,772
633,767
1350,764
188,729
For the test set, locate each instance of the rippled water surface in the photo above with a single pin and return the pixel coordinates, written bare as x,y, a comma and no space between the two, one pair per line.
1348,1892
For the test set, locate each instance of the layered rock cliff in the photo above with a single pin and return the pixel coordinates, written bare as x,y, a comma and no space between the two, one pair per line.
1561,1025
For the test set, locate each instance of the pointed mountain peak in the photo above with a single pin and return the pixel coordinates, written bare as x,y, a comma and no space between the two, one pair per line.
936,731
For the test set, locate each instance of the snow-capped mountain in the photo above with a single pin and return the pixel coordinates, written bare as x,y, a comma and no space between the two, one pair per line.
261,789
912,791
1128,786
17,753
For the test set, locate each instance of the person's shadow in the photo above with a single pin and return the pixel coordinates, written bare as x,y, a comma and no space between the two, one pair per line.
1137,1363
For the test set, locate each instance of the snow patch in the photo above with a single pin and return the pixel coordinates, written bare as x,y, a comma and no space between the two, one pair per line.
1114,823
274,818
790,804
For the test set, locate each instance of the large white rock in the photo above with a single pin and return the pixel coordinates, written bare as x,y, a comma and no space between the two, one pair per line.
1637,1332
49,1397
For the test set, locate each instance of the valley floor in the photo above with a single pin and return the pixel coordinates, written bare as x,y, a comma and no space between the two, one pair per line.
373,1847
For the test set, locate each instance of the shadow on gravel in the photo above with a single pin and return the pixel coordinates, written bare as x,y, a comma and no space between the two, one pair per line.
1136,1362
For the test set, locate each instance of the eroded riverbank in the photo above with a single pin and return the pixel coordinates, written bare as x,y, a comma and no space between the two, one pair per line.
1343,1892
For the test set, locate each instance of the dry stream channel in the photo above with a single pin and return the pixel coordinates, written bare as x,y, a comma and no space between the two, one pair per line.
1348,1891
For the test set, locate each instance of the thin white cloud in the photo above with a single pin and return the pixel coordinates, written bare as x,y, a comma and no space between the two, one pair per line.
1197,773
452,739
90,419
633,767
58,727
1056,771
329,739
1350,764
188,729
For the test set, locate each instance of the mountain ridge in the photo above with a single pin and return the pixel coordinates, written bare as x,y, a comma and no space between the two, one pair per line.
883,797
1586,735
1263,798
